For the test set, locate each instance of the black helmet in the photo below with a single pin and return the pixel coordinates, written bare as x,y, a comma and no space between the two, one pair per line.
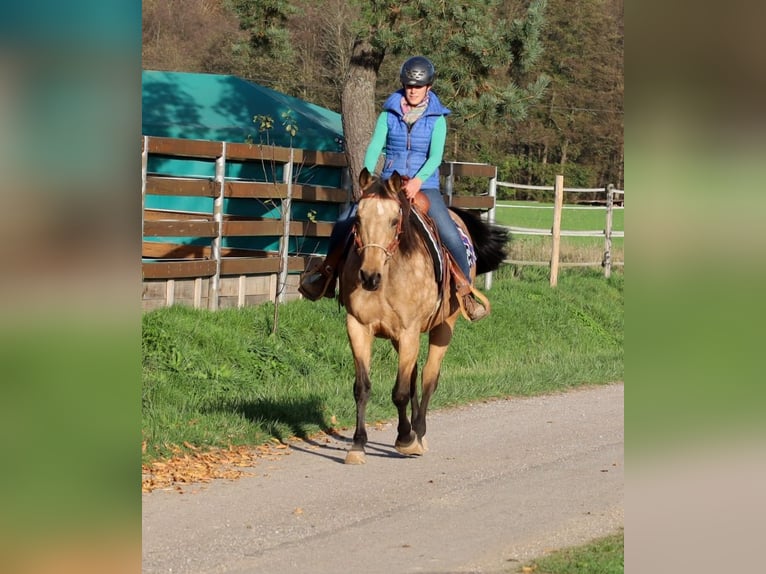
417,71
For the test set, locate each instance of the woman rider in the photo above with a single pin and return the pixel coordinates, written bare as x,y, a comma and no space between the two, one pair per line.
411,131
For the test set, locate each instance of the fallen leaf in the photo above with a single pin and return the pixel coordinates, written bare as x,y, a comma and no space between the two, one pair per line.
197,467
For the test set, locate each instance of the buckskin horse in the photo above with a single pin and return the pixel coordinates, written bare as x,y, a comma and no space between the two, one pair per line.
389,289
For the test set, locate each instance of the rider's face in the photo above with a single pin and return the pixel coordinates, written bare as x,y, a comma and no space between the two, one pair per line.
415,94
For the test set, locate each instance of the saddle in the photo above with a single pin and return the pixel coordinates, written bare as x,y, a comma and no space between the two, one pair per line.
427,229
445,267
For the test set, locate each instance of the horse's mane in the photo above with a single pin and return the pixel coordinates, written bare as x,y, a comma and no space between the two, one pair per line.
409,239
489,240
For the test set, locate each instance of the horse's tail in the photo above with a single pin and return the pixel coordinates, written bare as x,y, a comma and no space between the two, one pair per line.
489,241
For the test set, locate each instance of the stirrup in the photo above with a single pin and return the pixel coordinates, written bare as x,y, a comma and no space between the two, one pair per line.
473,310
314,282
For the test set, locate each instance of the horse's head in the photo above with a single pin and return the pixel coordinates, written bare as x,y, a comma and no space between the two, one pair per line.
380,219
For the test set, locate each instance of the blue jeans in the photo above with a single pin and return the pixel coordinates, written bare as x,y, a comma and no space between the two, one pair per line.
342,228
438,212
447,229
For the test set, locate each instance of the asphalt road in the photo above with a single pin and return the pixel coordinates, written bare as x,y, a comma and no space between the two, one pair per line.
503,482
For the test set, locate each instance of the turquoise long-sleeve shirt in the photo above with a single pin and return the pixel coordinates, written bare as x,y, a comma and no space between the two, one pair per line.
436,149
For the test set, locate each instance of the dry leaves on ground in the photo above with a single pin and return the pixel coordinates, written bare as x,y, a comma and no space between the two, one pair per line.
185,468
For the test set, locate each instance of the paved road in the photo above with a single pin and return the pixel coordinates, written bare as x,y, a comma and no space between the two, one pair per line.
503,482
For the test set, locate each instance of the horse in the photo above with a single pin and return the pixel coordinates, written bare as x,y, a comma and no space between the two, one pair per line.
388,287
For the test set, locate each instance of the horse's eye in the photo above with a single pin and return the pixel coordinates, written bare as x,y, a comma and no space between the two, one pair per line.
395,222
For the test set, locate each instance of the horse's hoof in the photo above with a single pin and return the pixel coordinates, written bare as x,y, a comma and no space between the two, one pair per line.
355,457
414,448
424,444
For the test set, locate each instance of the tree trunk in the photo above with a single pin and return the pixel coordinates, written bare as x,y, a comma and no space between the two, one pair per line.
358,105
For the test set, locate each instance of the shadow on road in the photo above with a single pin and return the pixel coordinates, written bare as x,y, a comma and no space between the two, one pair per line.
334,446
289,418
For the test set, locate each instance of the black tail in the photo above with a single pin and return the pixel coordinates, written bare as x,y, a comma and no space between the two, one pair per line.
489,241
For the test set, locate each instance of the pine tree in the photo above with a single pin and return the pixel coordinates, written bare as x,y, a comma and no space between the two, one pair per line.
485,64
270,54
578,128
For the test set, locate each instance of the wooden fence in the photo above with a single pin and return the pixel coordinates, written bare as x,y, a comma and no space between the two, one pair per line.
613,199
185,255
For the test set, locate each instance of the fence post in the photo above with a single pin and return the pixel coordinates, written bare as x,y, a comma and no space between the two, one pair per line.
284,244
220,178
449,184
607,262
491,221
144,164
558,205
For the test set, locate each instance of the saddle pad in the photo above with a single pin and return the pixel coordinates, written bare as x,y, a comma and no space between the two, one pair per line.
433,245
468,246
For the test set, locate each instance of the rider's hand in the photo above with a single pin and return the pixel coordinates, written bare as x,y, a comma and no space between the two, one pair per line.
412,187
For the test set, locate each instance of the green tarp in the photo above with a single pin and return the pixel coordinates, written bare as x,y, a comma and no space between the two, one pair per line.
224,108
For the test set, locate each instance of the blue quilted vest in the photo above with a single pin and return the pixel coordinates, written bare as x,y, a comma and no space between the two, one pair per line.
407,147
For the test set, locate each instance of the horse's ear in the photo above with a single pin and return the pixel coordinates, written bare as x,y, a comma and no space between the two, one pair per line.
364,178
395,183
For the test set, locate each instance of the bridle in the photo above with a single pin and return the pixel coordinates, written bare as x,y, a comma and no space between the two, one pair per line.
391,248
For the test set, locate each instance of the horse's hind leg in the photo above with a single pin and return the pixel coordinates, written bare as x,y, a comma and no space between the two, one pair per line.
405,393
361,346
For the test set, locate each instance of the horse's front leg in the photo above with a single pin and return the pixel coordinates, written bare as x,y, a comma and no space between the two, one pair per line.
406,392
438,342
360,337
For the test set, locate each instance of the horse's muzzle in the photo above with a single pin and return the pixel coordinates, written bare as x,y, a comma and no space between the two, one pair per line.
370,281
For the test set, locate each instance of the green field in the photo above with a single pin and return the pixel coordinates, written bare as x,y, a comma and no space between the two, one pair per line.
540,215
214,379
534,215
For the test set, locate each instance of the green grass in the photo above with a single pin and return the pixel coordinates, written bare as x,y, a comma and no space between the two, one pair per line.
221,378
540,215
602,556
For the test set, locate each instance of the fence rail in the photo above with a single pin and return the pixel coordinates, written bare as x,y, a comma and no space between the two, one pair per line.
185,257
189,254
555,231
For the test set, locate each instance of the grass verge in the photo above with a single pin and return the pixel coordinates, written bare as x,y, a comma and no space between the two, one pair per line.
221,379
602,556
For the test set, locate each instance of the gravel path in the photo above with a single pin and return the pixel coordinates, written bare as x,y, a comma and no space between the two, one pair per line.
503,482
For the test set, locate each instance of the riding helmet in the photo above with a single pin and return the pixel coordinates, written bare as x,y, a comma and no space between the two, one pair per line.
417,71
